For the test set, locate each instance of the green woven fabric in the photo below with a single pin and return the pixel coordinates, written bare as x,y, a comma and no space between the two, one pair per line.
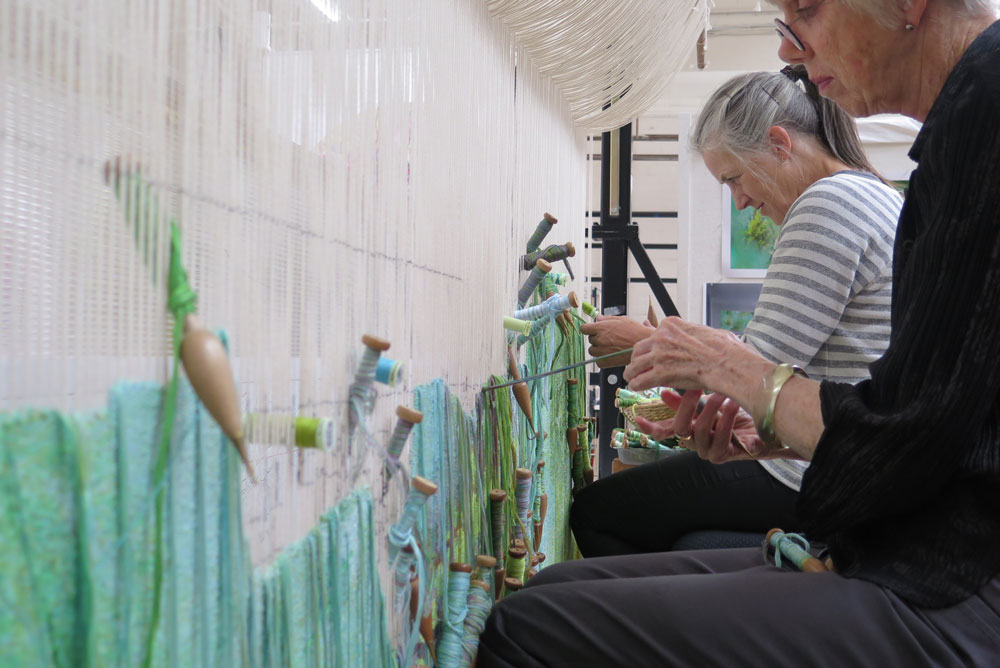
76,520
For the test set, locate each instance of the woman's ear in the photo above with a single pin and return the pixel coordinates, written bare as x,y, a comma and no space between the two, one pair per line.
781,142
913,11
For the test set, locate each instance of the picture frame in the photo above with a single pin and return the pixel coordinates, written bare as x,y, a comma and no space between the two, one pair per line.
747,240
730,306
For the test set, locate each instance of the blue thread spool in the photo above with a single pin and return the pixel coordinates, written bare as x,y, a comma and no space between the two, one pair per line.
542,229
550,307
387,371
534,278
787,545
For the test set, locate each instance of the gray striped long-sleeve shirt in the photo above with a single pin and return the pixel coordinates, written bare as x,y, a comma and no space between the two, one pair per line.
825,300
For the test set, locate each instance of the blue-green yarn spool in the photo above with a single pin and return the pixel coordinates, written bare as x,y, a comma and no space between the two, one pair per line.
387,371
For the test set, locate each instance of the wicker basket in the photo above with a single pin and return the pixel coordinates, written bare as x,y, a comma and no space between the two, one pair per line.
654,411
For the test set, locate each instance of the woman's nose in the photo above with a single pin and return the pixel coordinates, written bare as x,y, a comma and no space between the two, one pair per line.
790,53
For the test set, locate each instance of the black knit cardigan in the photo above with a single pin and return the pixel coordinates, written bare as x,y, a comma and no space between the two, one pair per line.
904,485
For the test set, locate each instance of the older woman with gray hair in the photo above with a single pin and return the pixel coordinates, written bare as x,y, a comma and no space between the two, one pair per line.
904,481
786,151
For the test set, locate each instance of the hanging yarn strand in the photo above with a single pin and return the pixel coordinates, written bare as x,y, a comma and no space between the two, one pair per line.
450,649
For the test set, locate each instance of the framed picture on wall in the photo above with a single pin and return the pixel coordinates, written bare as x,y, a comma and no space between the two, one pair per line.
730,305
747,240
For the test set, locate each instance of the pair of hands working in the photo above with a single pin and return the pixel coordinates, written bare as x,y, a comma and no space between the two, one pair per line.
686,356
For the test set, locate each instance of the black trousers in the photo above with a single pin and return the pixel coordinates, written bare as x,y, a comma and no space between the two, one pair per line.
726,608
647,508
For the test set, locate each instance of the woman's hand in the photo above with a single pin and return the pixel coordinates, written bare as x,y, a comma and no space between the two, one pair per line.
683,355
716,428
611,334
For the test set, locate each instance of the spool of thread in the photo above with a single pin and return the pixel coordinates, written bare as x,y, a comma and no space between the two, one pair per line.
530,573
539,558
515,562
313,432
542,229
387,371
374,347
517,325
421,490
522,496
537,327
498,524
484,564
478,603
549,308
589,309
207,367
552,253
534,278
787,545
511,586
406,418
449,649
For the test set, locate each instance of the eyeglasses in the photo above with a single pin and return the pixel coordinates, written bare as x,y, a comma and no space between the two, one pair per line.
785,29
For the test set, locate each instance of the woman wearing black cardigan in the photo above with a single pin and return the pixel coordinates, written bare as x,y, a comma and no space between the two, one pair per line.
904,485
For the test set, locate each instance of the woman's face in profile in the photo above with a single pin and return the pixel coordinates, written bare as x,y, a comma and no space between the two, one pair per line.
848,55
754,182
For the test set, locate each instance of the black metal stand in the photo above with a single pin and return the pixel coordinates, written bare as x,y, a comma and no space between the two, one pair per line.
618,237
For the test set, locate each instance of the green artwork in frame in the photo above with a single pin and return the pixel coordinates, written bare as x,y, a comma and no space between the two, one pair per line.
748,240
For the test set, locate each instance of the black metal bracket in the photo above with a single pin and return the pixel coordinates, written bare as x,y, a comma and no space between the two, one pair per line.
630,235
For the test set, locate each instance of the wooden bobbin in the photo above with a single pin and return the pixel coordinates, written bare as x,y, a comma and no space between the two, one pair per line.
426,622
521,392
409,415
498,495
522,473
549,217
539,558
574,301
499,575
530,573
544,266
512,585
570,249
572,437
423,485
484,562
459,567
808,565
481,584
651,314
207,367
375,343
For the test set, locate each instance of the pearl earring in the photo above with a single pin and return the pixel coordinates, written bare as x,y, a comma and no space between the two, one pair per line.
910,27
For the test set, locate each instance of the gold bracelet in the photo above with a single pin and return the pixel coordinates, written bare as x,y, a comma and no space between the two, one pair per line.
773,382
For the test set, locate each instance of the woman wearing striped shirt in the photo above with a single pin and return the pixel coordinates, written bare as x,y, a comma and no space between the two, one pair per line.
824,305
